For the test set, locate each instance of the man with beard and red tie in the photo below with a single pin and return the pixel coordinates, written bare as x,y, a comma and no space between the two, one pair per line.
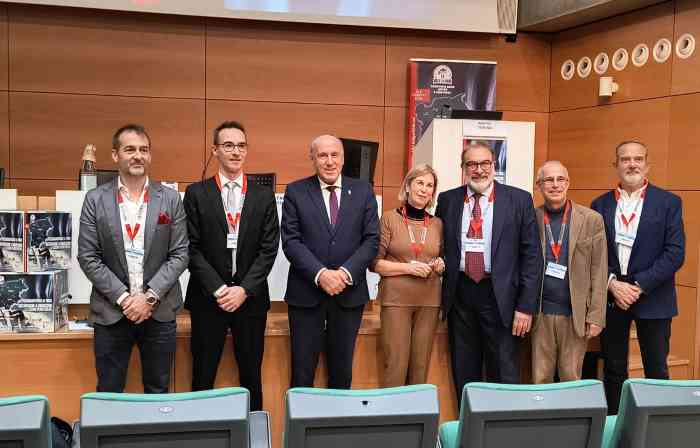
492,279
646,246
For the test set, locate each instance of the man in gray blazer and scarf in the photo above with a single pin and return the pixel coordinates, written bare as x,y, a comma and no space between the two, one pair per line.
133,247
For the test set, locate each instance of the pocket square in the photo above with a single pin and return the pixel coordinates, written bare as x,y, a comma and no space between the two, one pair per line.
163,218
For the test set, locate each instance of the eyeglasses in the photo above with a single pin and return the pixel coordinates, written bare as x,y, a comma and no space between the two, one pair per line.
230,146
485,165
549,181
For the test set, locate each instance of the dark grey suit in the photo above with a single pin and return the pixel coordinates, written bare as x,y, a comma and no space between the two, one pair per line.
101,257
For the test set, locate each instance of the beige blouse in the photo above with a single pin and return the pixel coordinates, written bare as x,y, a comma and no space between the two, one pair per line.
395,245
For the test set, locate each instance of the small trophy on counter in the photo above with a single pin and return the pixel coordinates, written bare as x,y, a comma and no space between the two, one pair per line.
88,173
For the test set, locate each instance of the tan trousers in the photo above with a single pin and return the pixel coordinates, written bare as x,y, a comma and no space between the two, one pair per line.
556,346
407,339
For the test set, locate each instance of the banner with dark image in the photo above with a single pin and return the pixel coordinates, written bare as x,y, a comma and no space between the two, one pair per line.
436,87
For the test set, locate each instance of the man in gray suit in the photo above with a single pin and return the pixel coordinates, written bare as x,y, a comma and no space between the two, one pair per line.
133,247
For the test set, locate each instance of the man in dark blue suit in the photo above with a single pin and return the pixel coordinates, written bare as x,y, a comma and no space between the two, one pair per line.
646,246
330,235
492,279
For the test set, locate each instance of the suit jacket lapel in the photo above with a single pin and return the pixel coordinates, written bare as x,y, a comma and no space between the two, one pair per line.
609,206
317,199
213,194
248,209
539,214
345,206
155,192
115,222
501,204
575,226
644,217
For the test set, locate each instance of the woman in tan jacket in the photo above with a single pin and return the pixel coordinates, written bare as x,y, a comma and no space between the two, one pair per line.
409,291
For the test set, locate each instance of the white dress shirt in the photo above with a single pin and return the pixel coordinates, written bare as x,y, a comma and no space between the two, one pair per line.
628,204
237,191
325,192
486,226
133,213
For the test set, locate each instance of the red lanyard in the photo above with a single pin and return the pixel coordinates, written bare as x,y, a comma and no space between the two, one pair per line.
417,248
474,223
624,219
233,222
556,247
131,232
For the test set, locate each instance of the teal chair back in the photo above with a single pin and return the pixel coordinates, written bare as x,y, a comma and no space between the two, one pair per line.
677,402
494,415
26,417
346,412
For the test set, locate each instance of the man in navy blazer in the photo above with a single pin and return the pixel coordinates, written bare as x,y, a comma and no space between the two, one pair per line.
646,246
330,235
492,279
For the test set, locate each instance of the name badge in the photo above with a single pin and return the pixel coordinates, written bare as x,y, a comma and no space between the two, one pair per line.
232,241
473,245
555,270
625,239
134,253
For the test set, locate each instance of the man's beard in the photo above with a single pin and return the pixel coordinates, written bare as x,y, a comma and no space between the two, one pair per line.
480,185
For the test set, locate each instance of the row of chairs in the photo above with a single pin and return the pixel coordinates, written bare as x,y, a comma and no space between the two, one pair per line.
653,413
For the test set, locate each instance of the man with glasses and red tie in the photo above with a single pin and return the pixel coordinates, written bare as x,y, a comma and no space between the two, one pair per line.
330,234
234,237
646,247
493,271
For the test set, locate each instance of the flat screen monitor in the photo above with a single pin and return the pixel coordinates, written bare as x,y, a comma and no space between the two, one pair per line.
25,422
466,114
660,415
496,416
402,417
210,419
360,159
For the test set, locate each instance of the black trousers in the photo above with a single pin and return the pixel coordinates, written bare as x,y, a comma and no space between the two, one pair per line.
209,329
113,345
653,335
326,326
477,337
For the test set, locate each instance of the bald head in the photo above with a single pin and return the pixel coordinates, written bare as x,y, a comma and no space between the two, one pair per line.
551,165
553,182
327,157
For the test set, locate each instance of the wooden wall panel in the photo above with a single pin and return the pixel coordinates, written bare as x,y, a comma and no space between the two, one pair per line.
584,197
43,187
684,143
390,198
49,131
261,61
3,47
649,81
395,144
89,51
280,133
688,275
522,74
683,327
685,71
5,133
585,139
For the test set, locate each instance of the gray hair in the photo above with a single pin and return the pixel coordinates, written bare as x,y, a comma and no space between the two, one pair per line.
315,142
630,142
478,144
540,170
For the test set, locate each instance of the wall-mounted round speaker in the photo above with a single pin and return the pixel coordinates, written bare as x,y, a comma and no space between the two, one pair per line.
685,46
601,63
568,68
584,67
620,59
640,55
662,50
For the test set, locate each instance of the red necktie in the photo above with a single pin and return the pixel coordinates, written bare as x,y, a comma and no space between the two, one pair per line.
474,261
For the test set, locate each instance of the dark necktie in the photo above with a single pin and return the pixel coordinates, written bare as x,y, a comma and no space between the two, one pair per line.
474,261
333,205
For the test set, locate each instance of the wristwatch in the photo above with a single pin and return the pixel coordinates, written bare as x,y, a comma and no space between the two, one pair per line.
152,300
